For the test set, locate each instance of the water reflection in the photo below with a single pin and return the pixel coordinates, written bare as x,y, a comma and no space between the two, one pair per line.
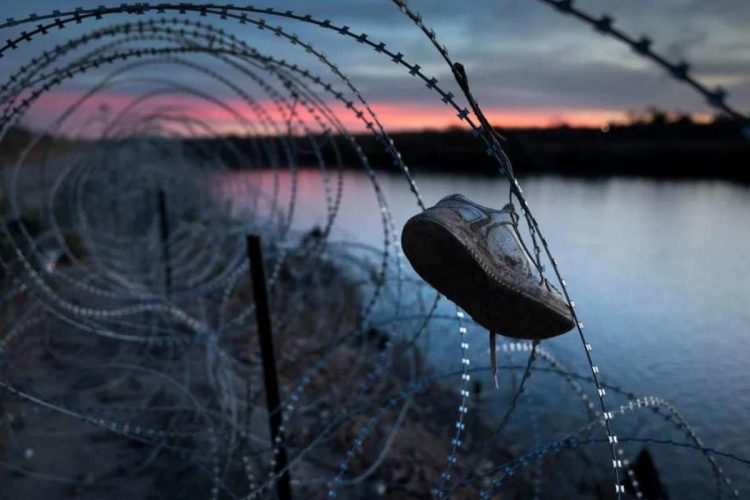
659,270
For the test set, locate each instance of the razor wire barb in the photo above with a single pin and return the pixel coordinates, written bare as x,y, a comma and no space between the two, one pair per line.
643,46
344,429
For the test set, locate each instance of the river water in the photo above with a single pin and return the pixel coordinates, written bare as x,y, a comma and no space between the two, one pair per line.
660,272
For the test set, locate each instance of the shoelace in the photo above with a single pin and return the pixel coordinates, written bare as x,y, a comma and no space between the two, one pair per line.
493,358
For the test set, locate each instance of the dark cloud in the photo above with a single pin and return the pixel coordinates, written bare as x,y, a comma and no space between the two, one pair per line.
520,53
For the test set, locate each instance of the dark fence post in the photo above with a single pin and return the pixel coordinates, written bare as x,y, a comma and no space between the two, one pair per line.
164,226
270,377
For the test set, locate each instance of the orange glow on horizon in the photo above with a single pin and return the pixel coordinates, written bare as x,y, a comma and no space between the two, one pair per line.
393,116
420,116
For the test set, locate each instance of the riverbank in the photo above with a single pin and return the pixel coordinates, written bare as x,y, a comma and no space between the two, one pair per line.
678,149
92,415
665,150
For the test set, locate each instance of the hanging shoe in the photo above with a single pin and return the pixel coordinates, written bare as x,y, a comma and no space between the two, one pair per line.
474,256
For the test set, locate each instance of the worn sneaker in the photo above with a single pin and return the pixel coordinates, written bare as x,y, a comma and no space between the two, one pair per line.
474,256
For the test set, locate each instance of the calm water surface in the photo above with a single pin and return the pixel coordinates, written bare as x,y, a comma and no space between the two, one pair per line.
660,272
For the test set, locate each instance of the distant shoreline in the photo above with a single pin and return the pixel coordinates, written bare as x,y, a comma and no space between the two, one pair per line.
679,149
661,151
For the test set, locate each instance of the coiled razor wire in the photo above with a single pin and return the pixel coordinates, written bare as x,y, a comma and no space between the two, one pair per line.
643,46
125,298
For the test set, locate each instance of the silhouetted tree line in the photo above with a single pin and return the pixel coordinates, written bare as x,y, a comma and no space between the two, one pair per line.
653,144
656,146
18,139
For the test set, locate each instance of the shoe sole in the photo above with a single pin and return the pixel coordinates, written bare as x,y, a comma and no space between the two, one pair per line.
442,260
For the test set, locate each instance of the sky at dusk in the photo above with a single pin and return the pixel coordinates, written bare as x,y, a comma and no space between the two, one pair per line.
528,64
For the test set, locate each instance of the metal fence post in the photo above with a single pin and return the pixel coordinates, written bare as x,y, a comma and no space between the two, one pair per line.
270,377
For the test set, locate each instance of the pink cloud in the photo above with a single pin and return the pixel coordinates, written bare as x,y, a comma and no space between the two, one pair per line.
394,116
